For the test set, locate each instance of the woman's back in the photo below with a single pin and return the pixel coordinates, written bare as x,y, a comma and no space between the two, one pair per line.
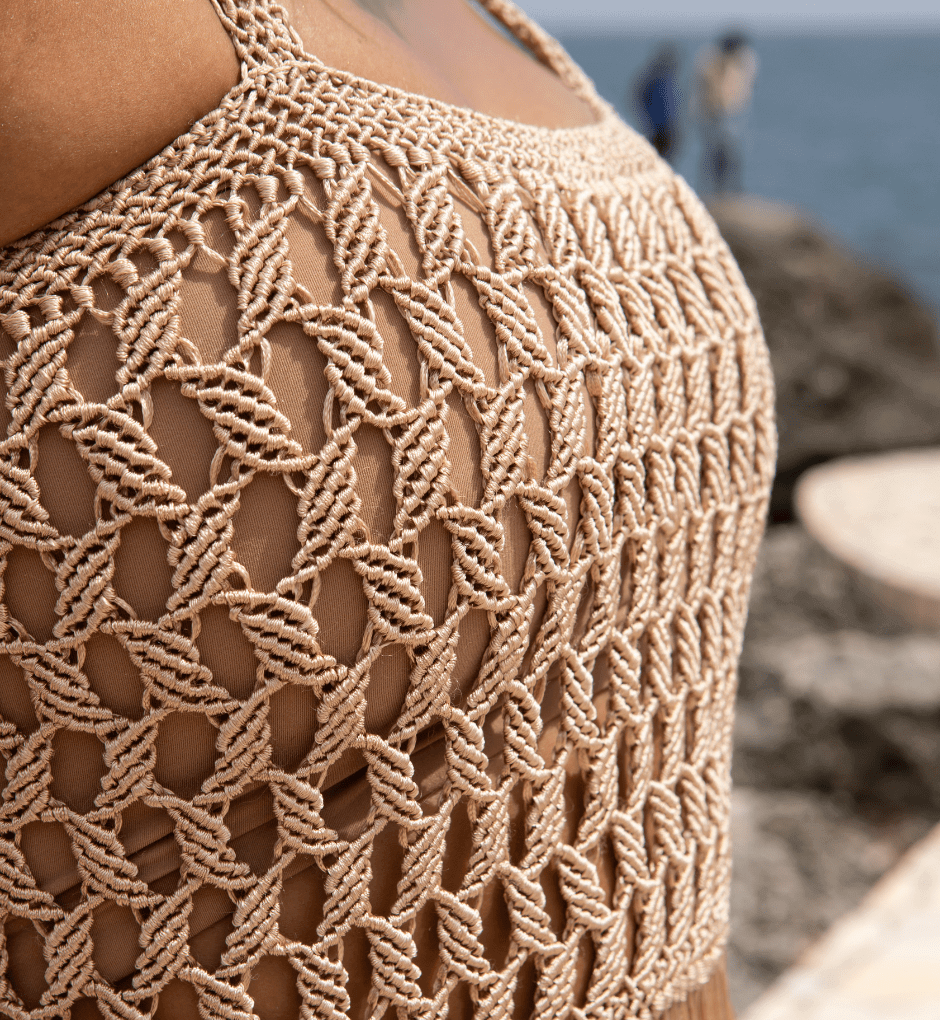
381,485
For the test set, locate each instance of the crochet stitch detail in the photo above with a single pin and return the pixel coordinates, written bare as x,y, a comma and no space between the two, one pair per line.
573,782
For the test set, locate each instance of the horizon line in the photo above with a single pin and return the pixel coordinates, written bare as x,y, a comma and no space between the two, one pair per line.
686,24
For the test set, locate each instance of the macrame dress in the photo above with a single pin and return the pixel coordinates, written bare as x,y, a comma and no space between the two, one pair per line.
380,489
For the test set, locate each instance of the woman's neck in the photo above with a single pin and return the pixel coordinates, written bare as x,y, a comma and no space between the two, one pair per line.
445,49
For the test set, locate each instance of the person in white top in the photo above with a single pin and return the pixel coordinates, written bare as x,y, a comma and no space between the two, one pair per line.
724,85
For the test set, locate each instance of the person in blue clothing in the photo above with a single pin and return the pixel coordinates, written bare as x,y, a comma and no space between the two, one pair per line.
657,98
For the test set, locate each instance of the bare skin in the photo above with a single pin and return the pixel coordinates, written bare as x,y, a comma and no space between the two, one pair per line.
90,89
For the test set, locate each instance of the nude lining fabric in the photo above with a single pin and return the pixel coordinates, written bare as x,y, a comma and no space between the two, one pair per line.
380,494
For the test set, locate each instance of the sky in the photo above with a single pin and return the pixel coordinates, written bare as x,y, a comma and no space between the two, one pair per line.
851,15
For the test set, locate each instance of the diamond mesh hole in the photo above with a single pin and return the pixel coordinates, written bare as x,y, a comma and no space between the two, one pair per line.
518,539
113,677
210,924
311,254
607,870
77,769
293,721
273,986
583,971
301,905
526,985
16,706
460,1004
115,932
401,238
400,353
357,964
208,313
388,688
224,648
298,380
48,852
265,539
428,951
555,905
458,849
538,431
142,575
571,494
373,464
30,592
107,293
184,437
253,843
434,558
25,965
477,329
383,890
472,643
341,611
61,469
257,847
474,227
575,789
185,748
177,1001
93,363
86,1009
150,829
144,260
496,925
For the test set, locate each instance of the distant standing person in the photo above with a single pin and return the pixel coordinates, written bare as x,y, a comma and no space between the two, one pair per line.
657,98
724,80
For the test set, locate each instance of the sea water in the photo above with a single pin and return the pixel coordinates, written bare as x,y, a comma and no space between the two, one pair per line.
848,127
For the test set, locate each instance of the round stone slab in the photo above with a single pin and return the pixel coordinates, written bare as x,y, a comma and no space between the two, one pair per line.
880,516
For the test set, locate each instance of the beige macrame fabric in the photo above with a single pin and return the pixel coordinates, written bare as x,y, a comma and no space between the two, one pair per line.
380,492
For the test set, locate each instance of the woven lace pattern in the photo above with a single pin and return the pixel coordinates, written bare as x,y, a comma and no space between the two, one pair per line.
588,760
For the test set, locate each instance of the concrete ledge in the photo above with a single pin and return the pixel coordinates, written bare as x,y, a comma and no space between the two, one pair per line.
880,962
879,516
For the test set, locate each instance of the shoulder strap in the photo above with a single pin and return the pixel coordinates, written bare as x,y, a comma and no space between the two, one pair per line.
259,32
262,36
548,50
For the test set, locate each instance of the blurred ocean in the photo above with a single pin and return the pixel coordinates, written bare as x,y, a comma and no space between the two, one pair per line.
848,127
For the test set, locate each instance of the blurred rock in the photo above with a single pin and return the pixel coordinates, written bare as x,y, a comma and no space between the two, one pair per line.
878,515
856,356
857,673
835,696
801,861
799,589
836,758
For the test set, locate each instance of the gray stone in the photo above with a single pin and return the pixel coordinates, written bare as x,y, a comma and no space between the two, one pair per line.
857,673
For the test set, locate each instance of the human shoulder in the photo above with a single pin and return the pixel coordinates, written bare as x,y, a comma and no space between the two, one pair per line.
90,89
750,61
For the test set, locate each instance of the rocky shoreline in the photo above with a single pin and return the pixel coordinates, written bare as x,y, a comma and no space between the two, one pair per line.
856,355
837,746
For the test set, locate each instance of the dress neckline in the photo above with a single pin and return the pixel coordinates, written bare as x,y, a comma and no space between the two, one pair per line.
603,112
529,144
